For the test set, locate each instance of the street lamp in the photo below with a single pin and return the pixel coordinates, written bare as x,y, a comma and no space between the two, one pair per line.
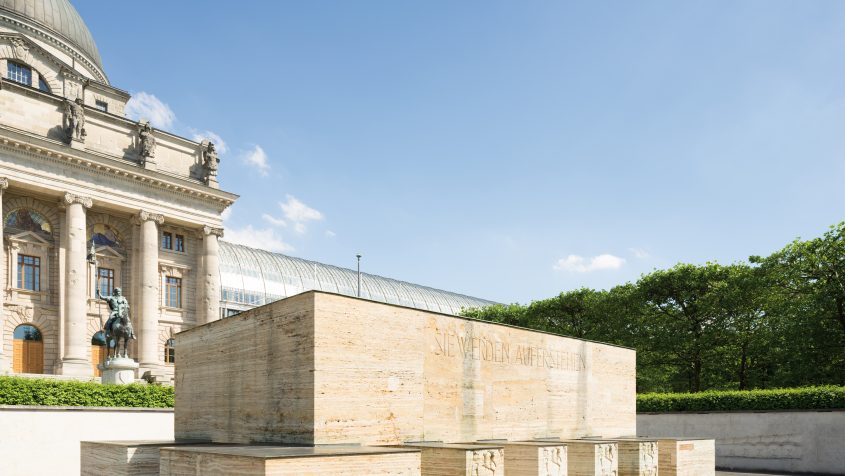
359,274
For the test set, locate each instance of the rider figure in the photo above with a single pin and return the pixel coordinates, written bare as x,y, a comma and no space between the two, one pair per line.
119,307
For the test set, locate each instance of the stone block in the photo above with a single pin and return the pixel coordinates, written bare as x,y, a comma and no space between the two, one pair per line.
441,459
277,461
637,456
535,458
686,457
123,458
321,368
592,457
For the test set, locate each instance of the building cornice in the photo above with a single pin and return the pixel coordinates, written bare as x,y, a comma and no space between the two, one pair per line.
55,39
53,150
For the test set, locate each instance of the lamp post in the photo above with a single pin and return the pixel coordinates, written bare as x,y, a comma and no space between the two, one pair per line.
359,274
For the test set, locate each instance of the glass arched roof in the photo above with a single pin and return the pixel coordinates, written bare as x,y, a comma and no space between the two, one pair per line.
251,277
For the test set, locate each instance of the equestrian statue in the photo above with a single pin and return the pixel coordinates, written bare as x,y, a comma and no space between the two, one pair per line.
118,326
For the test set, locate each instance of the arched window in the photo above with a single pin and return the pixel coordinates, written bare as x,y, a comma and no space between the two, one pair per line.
42,85
170,351
24,219
19,73
105,235
27,350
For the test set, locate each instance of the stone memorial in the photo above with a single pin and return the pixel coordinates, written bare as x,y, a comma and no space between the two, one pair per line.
321,383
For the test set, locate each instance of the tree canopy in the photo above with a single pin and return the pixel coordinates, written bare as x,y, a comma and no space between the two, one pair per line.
775,321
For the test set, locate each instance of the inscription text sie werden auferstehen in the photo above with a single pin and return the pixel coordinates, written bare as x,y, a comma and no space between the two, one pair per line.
450,344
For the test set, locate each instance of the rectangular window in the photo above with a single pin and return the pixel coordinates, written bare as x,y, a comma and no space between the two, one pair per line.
167,240
29,272
105,281
101,105
179,244
173,292
19,73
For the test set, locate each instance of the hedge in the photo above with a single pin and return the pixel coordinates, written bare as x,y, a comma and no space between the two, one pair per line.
25,391
807,398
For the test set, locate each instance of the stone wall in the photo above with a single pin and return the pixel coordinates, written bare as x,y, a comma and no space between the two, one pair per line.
797,441
47,439
322,368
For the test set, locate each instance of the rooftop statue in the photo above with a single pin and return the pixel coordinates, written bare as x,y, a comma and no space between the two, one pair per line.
210,161
118,326
147,142
74,120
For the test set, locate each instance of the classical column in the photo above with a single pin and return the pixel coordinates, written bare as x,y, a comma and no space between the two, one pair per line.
4,361
148,300
210,278
75,358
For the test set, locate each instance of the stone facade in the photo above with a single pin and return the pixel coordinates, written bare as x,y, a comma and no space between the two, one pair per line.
105,182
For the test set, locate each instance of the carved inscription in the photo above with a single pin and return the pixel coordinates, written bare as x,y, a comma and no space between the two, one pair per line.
471,347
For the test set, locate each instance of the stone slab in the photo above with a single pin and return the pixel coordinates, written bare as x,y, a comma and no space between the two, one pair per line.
439,459
592,457
637,456
321,368
123,458
535,458
277,461
687,457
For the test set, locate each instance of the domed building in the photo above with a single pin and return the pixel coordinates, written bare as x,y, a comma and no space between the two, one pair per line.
93,201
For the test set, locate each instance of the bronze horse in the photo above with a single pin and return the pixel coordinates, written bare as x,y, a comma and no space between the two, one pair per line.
120,329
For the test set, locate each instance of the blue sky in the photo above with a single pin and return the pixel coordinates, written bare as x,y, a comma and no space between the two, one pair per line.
506,150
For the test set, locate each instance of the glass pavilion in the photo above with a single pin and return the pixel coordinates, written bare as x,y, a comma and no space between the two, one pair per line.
251,277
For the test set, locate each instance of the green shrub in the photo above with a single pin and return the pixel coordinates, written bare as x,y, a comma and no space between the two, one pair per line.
25,391
807,398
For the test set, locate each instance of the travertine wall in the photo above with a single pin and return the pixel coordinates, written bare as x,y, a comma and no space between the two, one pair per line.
321,368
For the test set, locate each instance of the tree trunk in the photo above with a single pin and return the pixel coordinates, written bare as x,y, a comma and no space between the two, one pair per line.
743,367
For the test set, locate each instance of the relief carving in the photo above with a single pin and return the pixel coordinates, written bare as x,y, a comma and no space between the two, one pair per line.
553,461
71,198
208,230
485,463
648,458
144,215
607,460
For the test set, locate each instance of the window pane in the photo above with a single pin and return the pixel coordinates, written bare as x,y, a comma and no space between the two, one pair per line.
19,73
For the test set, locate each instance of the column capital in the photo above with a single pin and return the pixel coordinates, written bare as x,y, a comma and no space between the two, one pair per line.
71,198
4,184
144,215
209,230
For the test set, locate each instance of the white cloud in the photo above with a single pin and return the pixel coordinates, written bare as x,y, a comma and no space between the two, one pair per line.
146,106
226,214
265,239
640,253
330,234
579,264
219,143
299,213
273,220
257,159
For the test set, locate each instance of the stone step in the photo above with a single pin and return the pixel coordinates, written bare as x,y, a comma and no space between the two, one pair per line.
245,460
458,459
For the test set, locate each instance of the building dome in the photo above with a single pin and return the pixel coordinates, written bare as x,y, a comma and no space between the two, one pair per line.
55,21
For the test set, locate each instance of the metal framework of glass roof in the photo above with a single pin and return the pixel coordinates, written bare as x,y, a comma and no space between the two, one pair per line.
251,277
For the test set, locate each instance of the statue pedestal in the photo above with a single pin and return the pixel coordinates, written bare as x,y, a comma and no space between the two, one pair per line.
119,370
